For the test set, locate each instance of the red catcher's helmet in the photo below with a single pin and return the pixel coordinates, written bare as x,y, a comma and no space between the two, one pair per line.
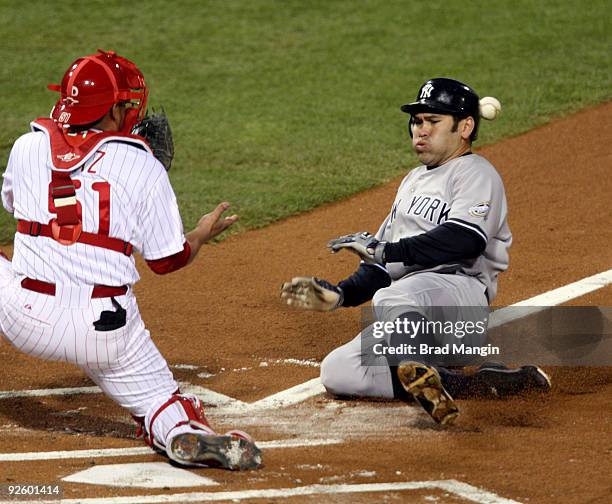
93,84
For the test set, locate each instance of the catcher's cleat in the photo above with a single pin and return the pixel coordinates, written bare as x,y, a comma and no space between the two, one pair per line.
234,450
502,381
425,385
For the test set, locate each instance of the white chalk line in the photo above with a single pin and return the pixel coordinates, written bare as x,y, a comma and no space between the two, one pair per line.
9,394
144,450
211,397
469,492
207,395
287,397
553,297
314,387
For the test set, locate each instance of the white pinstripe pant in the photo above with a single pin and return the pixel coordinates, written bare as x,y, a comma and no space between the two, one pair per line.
124,363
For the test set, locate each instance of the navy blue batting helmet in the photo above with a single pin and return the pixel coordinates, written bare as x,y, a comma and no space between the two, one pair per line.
447,96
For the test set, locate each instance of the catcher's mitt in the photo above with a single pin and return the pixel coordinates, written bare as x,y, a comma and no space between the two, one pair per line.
155,129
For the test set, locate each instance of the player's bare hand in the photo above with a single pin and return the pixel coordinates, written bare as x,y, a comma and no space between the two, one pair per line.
311,293
213,224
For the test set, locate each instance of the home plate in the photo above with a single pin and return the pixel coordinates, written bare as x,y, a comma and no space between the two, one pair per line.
148,475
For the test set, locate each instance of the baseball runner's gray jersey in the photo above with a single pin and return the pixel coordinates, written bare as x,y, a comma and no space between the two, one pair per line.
467,192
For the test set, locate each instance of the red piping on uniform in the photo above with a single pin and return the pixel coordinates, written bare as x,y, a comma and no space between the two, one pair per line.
171,263
99,291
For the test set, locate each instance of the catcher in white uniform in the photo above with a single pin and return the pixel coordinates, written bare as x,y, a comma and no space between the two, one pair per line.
87,193
436,257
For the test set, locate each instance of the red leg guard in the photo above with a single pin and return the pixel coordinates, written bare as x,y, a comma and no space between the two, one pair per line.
191,405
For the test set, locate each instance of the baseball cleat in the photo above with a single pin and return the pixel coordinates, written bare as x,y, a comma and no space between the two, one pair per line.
425,385
234,450
502,382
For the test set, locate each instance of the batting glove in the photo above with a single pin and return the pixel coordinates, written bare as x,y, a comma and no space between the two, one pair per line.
311,293
363,244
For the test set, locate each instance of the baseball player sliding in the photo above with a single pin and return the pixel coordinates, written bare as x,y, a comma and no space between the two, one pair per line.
87,193
435,258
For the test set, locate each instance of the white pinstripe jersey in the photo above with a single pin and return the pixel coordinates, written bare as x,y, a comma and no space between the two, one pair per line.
122,191
466,191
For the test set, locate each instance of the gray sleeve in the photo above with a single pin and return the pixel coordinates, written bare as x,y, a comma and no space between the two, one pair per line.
478,200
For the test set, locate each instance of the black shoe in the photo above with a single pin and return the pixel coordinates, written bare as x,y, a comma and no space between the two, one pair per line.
499,381
493,364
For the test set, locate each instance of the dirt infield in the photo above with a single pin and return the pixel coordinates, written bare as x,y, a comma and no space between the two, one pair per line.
220,325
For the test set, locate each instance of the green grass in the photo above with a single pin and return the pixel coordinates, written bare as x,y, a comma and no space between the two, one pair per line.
281,106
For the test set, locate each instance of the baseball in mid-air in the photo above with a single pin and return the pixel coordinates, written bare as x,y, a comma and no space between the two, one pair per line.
489,108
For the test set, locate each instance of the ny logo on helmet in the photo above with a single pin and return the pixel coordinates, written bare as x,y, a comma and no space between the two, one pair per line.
426,91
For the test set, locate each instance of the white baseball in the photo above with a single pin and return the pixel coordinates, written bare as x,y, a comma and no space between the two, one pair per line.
489,108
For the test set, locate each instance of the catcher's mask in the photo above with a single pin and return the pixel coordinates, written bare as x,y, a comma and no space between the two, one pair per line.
93,84
446,96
